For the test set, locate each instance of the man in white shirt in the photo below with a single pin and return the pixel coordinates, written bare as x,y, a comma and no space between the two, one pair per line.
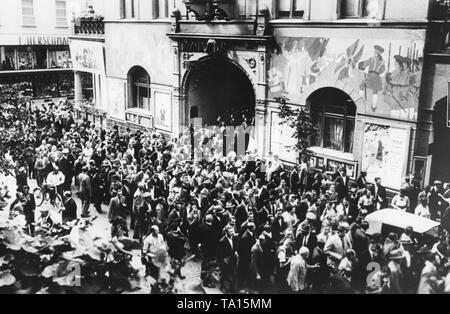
55,180
153,245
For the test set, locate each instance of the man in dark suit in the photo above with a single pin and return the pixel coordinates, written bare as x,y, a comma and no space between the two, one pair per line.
379,192
117,207
70,208
209,248
362,180
294,181
246,243
342,183
262,194
66,166
278,227
305,238
227,257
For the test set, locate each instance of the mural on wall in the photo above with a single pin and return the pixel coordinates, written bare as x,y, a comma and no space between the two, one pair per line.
386,74
385,154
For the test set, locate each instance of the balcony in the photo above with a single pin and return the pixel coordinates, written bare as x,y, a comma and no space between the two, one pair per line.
90,26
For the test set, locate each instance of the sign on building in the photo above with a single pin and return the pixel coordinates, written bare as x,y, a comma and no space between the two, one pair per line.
87,56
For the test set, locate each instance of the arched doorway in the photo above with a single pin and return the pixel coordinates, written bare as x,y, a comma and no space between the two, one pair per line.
440,149
219,89
333,112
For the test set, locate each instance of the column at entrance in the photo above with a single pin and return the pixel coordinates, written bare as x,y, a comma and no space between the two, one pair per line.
261,119
78,88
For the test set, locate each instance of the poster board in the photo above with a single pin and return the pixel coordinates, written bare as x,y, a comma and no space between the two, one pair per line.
87,56
385,153
163,111
281,140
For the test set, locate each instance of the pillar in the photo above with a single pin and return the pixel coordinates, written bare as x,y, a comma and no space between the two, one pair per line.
78,88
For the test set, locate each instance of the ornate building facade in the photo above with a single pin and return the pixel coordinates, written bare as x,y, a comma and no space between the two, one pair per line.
370,72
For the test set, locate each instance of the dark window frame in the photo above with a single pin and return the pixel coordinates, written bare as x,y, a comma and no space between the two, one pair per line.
291,14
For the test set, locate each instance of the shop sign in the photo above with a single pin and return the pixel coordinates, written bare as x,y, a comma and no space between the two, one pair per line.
43,41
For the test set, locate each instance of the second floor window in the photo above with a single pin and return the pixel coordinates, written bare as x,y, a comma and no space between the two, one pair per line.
28,18
61,13
127,9
360,8
160,9
291,8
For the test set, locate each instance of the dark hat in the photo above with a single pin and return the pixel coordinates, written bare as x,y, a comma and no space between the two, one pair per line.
379,49
398,58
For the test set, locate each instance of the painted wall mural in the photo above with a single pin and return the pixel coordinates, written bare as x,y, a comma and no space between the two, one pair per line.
385,73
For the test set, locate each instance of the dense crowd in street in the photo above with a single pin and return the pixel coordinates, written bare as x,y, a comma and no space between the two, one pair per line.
266,227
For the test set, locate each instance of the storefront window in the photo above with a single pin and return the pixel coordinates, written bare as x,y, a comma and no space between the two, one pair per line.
26,58
334,114
59,59
7,59
139,81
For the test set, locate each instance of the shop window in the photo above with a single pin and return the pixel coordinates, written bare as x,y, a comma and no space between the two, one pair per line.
7,59
59,59
360,8
334,114
28,18
61,13
139,86
291,8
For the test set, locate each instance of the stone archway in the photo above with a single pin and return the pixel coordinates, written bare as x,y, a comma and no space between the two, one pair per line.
218,87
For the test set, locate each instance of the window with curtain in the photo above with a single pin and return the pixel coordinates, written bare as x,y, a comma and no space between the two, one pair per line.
160,9
28,18
360,8
128,9
291,8
61,13
139,81
334,114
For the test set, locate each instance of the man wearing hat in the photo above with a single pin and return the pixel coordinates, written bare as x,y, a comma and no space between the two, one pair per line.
372,84
141,227
305,238
66,165
337,245
85,191
70,208
435,200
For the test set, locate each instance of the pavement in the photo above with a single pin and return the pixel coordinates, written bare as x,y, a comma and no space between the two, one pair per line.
102,228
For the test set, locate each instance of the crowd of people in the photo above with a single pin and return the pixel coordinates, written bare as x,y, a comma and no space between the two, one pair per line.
265,227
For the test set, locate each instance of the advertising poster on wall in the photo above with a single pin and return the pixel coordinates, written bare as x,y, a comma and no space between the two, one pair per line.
87,56
281,140
163,111
385,154
385,73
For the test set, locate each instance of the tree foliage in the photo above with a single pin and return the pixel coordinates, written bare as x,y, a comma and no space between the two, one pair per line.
300,122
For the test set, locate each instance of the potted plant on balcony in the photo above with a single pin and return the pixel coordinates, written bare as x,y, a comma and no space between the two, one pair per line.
226,6
443,7
198,7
